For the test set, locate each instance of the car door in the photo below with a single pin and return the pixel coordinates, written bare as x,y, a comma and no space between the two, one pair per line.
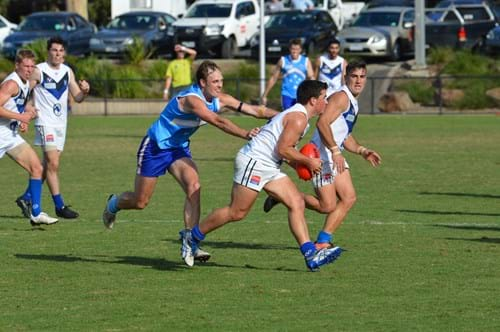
246,15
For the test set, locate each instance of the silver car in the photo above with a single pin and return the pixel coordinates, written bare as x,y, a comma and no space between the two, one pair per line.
382,32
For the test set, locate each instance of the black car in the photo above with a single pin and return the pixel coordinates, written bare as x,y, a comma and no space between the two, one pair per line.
73,28
153,27
315,28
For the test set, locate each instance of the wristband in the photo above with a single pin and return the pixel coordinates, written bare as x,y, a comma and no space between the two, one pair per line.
334,147
239,107
165,91
361,149
336,153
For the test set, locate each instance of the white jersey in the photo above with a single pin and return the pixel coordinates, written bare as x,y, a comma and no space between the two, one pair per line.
264,146
51,95
16,103
330,72
341,127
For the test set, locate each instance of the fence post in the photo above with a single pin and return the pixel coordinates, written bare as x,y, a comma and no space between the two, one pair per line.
106,96
440,94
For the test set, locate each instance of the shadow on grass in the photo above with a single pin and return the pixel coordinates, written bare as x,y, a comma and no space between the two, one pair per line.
155,263
12,217
483,239
469,227
459,194
239,245
459,213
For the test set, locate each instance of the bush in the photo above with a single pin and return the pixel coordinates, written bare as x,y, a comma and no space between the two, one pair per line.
137,52
420,91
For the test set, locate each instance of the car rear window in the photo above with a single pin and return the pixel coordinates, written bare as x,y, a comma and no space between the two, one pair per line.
43,23
473,14
210,10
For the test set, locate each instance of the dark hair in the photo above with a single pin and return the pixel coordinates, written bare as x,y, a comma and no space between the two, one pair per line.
310,89
55,40
295,41
206,68
357,64
334,41
24,54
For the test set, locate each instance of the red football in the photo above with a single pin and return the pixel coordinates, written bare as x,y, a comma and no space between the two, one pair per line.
309,150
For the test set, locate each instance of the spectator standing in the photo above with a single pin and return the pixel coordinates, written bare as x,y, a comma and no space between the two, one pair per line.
178,75
302,4
274,6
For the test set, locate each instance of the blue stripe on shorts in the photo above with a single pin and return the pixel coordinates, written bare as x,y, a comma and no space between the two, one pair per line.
153,161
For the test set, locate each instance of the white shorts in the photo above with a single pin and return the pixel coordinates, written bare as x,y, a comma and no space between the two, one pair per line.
327,174
9,139
254,174
50,138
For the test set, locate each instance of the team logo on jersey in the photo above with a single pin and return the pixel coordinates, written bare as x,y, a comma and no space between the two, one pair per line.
255,179
327,177
57,109
49,138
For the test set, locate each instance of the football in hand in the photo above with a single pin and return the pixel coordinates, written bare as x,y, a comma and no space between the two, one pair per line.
309,150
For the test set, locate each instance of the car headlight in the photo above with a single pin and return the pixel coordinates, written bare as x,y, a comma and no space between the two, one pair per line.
8,45
490,35
128,41
170,31
212,30
95,41
376,39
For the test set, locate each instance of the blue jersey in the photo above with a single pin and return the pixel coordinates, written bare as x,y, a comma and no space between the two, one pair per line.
174,127
294,72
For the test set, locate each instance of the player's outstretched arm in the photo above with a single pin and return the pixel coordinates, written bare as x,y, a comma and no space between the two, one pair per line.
197,106
258,111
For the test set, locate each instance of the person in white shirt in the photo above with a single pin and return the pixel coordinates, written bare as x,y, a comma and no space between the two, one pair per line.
54,80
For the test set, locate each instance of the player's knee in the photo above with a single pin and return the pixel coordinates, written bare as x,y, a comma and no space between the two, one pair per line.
350,201
141,203
238,214
297,203
327,207
193,189
36,170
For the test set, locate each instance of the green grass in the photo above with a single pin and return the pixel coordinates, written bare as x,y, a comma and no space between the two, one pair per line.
423,240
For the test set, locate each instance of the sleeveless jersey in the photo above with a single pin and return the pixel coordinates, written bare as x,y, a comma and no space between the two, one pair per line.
330,72
343,125
51,95
16,103
293,72
174,127
263,147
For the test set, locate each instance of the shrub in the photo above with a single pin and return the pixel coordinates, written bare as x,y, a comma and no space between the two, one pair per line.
39,47
420,91
137,52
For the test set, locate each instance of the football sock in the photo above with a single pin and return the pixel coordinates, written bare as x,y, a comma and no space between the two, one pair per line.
27,194
324,237
197,234
308,249
35,187
58,201
113,204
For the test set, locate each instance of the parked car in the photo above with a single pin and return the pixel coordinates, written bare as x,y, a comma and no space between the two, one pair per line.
491,43
73,28
380,32
6,28
460,26
314,27
218,27
389,3
152,27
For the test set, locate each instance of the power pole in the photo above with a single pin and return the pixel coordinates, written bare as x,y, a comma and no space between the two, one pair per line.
78,6
420,34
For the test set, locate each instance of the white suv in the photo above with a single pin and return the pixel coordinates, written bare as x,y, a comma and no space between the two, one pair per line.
218,27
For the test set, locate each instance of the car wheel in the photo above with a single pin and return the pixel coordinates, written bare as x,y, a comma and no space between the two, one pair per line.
229,48
396,51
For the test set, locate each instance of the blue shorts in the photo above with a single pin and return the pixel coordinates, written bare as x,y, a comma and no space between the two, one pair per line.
153,161
287,102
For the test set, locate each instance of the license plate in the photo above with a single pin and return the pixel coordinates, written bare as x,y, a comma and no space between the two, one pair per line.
274,48
356,47
111,49
190,44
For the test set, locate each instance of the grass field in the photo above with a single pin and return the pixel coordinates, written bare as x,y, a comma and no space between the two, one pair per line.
423,240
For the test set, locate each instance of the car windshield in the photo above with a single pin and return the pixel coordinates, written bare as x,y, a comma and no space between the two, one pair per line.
43,23
133,22
210,10
377,19
288,21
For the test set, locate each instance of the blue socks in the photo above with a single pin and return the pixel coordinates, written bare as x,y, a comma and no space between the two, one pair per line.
58,201
197,234
324,237
113,204
35,188
308,249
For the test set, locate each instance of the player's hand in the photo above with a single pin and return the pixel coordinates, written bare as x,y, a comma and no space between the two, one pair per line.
339,161
373,157
84,86
253,132
315,165
23,127
165,94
